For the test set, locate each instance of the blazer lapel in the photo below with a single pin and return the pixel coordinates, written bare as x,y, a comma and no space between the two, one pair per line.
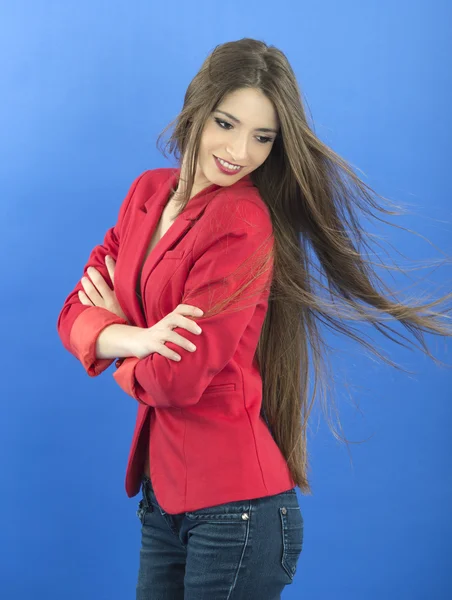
178,229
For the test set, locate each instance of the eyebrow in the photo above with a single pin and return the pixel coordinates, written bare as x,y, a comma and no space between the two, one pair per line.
267,129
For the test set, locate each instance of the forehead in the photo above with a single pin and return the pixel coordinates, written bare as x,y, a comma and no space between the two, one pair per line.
250,106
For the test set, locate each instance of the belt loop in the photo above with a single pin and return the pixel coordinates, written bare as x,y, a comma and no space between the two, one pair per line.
147,496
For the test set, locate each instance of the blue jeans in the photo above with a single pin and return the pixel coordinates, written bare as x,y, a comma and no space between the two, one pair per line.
243,550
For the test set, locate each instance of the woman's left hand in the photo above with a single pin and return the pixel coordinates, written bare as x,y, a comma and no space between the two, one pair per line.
100,293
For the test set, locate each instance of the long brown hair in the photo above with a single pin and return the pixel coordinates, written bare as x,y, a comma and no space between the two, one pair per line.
320,274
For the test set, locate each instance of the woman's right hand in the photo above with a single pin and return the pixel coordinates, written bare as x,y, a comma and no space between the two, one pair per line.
152,339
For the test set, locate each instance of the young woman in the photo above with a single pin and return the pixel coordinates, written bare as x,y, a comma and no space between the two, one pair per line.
258,205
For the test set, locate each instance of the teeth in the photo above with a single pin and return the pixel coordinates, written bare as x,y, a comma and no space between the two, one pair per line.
228,165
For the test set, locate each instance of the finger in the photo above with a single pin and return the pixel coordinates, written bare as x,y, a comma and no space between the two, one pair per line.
168,353
98,280
92,292
189,309
84,299
110,268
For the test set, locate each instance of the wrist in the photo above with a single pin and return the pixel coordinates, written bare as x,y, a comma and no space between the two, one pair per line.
117,341
129,341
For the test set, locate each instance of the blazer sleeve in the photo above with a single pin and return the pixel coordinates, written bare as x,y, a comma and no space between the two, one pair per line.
220,267
79,325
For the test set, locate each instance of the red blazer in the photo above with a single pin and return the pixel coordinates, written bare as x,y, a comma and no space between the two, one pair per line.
208,443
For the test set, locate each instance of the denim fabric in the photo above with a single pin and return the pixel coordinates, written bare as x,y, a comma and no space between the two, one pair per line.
243,550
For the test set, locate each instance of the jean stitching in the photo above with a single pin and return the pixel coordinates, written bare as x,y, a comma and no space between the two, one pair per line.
248,525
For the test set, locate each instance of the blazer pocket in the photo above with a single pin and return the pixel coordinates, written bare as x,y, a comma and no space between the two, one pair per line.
220,387
173,254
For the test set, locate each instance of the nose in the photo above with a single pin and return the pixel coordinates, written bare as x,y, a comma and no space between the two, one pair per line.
238,150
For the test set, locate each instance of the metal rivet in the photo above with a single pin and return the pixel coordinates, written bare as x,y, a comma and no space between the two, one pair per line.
245,516
284,510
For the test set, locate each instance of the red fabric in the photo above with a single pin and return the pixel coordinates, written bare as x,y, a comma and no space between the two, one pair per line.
85,330
124,376
208,443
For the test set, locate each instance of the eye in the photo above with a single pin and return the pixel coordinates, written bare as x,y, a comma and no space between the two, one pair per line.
266,139
260,138
221,123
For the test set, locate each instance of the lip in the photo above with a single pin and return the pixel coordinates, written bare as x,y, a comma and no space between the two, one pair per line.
223,170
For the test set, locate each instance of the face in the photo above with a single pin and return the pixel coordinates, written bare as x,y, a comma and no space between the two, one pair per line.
244,138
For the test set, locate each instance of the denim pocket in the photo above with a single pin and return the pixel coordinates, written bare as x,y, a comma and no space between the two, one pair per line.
292,537
237,511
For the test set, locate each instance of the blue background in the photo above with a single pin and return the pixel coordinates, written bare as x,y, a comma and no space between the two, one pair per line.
85,89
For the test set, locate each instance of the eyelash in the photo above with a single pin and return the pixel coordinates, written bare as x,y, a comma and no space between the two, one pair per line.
267,139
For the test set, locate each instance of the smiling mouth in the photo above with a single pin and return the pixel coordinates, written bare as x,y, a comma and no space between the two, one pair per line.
228,162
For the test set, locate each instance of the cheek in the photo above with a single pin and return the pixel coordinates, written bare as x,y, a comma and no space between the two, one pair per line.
209,138
262,155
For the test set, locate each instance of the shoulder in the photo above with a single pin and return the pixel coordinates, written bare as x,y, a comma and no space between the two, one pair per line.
150,180
235,223
239,208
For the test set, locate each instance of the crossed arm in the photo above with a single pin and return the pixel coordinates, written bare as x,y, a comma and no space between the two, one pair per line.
158,381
